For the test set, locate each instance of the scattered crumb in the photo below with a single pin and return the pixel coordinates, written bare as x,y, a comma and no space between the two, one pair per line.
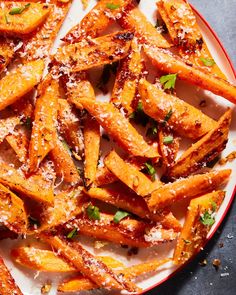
46,288
225,274
203,262
216,263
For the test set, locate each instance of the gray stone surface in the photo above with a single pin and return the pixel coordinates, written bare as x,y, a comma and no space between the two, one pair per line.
195,279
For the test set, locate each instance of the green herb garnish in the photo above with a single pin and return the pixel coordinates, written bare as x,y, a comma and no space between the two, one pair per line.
72,234
186,241
119,216
152,130
208,62
93,212
168,139
19,10
207,219
168,81
66,146
112,6
150,170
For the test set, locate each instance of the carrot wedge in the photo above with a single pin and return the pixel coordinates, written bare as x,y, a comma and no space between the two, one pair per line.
44,132
80,283
118,127
104,176
199,220
129,74
64,164
7,283
203,151
96,20
187,188
185,33
32,16
48,261
19,82
69,125
130,175
19,143
185,119
85,262
172,64
95,52
39,43
120,197
13,214
91,149
33,187
128,231
146,33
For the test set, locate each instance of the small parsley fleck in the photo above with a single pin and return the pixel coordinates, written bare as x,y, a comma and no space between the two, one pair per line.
19,10
186,241
150,170
208,62
119,216
72,234
93,212
139,116
207,219
168,81
168,139
112,6
214,205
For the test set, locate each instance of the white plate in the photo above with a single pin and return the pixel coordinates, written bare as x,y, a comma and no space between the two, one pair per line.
30,281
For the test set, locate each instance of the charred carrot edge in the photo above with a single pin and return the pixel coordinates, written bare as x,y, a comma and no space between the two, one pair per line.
96,52
118,127
204,150
44,133
7,283
185,119
134,19
172,64
81,259
192,186
191,46
130,175
96,20
13,215
196,228
168,151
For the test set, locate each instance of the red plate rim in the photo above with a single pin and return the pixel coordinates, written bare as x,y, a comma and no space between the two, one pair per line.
234,192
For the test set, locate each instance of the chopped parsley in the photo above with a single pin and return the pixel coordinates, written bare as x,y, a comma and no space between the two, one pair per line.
139,116
19,10
186,241
112,6
72,234
168,81
150,170
207,219
93,212
66,146
119,216
208,62
168,116
168,139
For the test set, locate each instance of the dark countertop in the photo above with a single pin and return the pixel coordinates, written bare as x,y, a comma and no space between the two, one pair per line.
195,279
